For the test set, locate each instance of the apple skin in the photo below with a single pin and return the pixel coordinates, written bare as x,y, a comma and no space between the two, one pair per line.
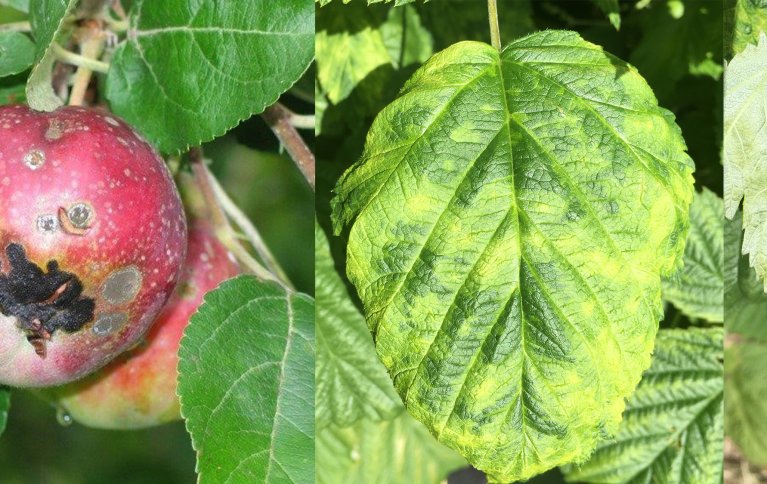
85,203
138,389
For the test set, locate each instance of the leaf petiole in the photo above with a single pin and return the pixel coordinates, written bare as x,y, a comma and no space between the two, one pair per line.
16,27
495,30
68,57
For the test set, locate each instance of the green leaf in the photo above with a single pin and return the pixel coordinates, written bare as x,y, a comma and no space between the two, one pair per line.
612,10
750,21
745,148
745,302
20,5
698,290
672,427
47,19
231,60
354,41
513,214
246,384
12,93
745,407
5,404
17,53
351,382
399,450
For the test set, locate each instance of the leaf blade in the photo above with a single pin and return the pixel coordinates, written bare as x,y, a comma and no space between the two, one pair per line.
672,427
255,420
698,290
233,61
458,301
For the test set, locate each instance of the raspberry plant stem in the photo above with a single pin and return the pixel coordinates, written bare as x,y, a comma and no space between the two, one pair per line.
495,30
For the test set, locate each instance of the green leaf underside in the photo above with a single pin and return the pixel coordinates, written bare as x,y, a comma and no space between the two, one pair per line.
46,18
5,404
394,451
351,384
672,427
745,406
397,3
745,149
745,302
698,289
229,60
512,217
17,53
246,384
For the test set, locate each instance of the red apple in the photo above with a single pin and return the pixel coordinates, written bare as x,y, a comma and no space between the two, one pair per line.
138,389
92,239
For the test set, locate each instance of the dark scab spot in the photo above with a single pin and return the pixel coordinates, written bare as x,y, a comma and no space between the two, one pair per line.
122,286
42,301
81,215
47,223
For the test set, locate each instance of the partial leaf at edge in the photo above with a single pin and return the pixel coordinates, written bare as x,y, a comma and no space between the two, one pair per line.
351,384
246,384
230,60
492,184
745,406
745,148
5,404
20,5
698,289
672,427
46,18
612,10
392,451
745,302
17,53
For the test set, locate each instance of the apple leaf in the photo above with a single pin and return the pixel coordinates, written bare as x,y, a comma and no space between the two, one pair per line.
513,214
46,18
17,53
698,289
20,5
230,60
672,427
246,384
351,383
398,450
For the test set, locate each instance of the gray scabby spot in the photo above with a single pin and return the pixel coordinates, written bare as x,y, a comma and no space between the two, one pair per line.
47,223
122,285
34,159
108,323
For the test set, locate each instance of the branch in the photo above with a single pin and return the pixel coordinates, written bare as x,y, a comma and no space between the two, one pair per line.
220,221
278,117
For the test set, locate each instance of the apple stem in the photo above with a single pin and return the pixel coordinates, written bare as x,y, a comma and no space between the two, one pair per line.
223,228
278,117
91,48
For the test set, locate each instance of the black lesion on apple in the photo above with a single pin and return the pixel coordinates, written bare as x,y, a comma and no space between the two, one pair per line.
42,301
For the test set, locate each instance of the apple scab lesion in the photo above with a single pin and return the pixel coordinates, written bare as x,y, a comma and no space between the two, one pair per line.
42,301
